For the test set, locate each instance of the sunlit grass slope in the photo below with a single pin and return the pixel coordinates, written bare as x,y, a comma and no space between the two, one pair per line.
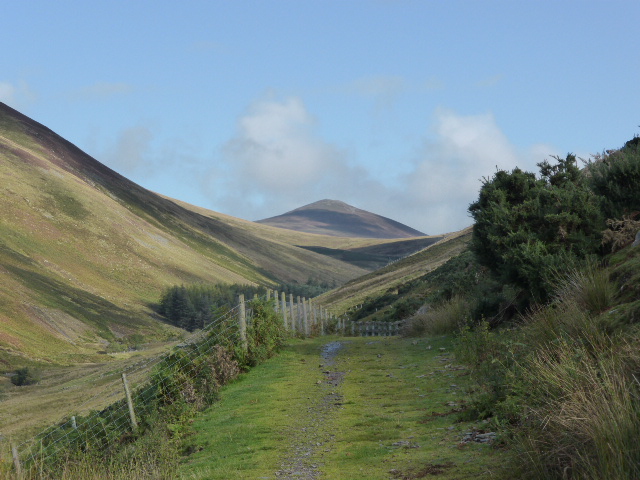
409,268
84,252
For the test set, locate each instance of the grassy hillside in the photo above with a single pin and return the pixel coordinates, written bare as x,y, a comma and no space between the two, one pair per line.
385,279
84,252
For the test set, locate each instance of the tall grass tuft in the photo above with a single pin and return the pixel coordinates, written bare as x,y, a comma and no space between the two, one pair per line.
584,418
589,287
443,319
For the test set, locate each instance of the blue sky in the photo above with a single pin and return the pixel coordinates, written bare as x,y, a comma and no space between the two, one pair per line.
253,108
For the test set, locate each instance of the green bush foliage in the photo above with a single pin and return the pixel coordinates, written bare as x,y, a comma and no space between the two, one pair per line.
526,227
615,178
265,333
25,376
561,384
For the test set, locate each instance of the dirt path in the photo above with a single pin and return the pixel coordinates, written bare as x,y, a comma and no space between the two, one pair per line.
313,440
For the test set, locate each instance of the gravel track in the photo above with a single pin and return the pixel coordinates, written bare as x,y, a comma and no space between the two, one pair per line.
313,439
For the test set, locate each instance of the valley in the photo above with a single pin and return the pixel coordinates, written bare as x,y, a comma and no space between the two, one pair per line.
85,253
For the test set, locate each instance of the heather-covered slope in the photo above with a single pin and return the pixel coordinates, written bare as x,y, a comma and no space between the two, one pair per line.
332,217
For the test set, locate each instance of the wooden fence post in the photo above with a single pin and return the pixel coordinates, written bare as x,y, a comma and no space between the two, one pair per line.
283,304
276,297
74,425
292,317
313,318
305,320
16,462
132,413
242,323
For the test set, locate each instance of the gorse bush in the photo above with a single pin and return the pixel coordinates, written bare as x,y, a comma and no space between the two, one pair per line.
562,385
620,233
528,227
615,178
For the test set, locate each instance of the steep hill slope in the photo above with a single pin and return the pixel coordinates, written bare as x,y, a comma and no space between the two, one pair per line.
355,291
332,217
84,252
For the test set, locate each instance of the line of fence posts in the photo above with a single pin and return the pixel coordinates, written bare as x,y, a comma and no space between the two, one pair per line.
304,317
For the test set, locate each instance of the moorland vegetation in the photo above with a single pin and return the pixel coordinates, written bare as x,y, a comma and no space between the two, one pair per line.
546,306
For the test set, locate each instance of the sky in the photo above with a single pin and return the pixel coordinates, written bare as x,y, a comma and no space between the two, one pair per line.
254,108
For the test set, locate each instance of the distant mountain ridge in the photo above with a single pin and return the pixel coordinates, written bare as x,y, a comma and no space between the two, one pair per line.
339,219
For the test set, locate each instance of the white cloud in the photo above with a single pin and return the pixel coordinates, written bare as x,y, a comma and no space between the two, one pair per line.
16,96
447,175
276,162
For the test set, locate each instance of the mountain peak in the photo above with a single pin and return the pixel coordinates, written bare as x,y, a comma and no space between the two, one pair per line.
339,219
329,205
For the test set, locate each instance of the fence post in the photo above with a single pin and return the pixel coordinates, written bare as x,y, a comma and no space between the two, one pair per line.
276,305
132,413
16,462
242,323
305,320
313,318
73,422
283,303
292,317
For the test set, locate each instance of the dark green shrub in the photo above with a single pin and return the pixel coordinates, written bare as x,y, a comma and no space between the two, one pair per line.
25,376
265,333
526,228
615,177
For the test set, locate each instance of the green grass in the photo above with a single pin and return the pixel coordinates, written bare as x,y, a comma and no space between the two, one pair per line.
396,415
